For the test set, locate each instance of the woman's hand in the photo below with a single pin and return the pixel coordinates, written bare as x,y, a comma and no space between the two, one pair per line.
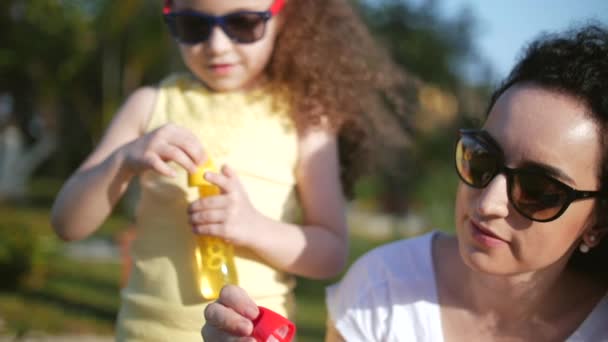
230,216
168,143
230,317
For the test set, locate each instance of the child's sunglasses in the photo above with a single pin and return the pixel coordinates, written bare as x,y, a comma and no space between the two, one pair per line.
533,193
192,27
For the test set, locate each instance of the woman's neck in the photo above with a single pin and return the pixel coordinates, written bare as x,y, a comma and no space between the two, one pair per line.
537,296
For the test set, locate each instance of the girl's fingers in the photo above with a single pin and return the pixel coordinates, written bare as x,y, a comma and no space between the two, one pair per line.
211,229
227,320
189,143
160,166
219,179
228,171
211,202
177,155
211,333
237,299
208,217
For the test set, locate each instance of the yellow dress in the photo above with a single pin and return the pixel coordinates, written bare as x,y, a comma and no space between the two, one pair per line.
257,138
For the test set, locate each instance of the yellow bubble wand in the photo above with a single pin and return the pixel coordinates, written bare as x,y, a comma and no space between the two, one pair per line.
214,257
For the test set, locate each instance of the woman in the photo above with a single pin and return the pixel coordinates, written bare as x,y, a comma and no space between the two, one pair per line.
528,261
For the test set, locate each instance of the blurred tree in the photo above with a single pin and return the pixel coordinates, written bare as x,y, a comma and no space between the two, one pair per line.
35,70
433,48
430,46
67,65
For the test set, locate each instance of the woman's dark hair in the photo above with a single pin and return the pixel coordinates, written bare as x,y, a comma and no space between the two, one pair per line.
574,63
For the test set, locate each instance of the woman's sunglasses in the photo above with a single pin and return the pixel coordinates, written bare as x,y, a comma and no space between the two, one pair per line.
192,27
533,193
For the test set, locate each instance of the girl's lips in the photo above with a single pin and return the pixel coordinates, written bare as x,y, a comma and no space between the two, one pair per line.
485,237
221,69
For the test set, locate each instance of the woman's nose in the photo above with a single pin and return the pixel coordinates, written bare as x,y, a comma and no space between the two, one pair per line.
493,200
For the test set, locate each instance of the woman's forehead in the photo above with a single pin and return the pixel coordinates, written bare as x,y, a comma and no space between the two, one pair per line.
535,124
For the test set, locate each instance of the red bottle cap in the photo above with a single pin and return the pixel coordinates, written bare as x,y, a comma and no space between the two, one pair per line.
272,327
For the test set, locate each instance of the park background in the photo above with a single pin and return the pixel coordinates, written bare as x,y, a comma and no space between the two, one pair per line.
66,66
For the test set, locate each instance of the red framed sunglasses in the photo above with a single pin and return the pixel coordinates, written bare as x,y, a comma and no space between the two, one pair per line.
192,27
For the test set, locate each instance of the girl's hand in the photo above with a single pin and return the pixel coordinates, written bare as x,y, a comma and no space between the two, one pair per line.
230,216
168,143
230,317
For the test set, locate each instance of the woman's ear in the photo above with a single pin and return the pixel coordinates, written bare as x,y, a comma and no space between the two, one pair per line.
594,236
599,230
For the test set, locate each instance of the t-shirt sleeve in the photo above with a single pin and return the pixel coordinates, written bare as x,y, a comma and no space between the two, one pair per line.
389,294
358,305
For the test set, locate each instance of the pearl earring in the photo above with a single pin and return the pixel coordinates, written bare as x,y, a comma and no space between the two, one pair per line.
584,248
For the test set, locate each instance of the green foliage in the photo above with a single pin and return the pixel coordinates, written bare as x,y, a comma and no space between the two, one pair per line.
16,247
310,296
77,298
426,44
59,295
23,256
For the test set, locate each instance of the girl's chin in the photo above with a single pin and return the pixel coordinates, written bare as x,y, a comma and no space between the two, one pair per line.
227,85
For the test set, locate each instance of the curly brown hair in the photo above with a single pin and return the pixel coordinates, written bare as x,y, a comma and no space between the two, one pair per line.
335,71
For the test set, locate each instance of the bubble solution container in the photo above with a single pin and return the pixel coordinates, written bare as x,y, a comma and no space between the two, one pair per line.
214,257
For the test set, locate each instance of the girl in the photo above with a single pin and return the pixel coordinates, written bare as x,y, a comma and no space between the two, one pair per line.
275,88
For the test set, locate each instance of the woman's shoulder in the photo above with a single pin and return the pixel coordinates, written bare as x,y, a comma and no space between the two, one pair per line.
409,254
389,290
406,262
594,326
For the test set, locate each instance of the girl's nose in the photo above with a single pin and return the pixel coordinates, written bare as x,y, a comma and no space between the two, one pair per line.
493,200
219,42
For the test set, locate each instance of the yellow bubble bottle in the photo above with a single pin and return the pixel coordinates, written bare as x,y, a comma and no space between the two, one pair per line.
214,257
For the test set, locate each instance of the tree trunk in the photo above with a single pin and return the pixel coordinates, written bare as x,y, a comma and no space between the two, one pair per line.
18,163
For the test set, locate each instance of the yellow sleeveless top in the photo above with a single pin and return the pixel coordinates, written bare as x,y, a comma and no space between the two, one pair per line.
257,138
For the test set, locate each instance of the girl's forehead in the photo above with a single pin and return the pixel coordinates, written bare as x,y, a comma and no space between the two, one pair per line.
222,6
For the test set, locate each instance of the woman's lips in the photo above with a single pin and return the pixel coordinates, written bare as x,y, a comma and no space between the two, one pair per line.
485,237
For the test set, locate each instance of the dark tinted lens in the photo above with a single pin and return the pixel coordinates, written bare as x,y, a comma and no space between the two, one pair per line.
475,164
190,28
245,27
536,195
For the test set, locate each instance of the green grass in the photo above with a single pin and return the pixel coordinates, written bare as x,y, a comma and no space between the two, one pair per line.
311,314
79,297
75,297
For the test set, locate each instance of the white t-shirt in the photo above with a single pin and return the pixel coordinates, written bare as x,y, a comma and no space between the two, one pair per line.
390,294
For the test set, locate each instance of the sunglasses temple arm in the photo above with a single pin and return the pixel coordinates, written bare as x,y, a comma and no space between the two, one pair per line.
167,7
277,6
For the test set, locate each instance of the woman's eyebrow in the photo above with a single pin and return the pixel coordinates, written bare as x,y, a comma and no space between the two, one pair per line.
549,169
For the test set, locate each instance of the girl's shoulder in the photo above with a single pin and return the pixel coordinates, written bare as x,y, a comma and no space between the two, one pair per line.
137,108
